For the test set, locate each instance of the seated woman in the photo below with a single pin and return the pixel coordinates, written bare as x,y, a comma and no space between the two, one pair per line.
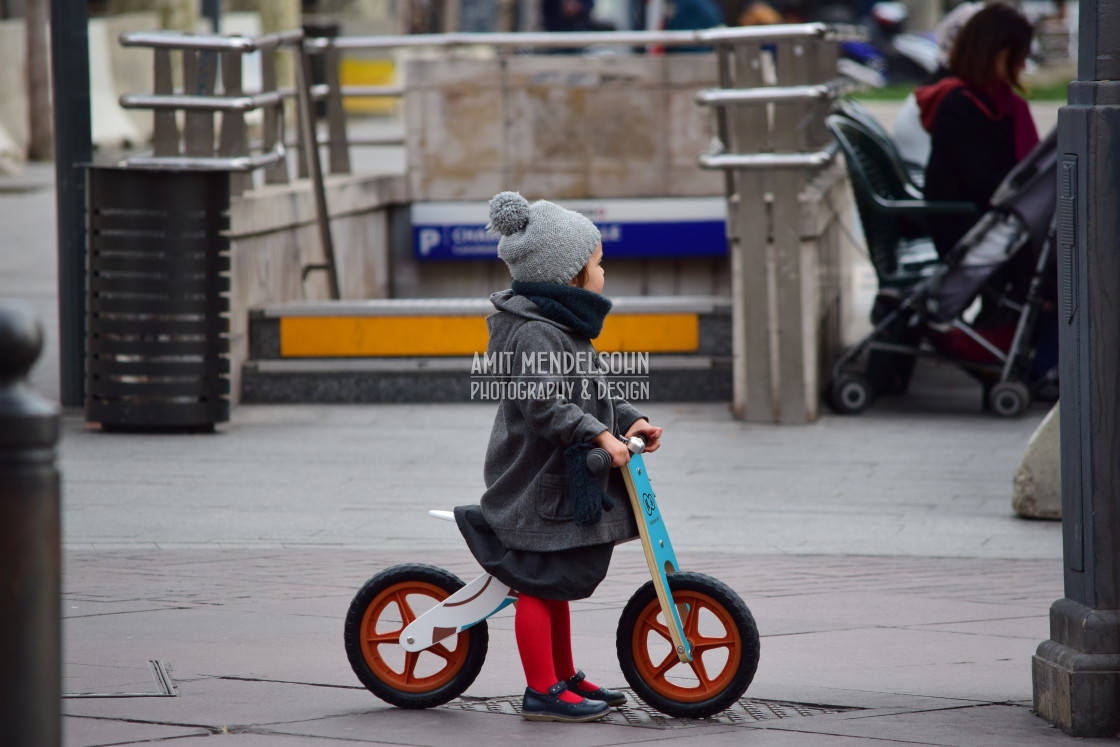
979,127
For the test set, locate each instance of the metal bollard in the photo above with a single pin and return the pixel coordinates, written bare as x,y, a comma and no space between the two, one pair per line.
30,543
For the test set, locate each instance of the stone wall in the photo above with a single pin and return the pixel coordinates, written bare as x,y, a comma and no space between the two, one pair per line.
558,127
274,235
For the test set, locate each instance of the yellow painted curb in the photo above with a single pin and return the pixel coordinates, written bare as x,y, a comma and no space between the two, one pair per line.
350,336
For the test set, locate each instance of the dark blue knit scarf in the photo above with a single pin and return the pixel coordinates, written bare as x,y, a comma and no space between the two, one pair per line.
576,308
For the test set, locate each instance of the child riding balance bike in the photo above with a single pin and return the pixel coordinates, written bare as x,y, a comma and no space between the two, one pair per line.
546,526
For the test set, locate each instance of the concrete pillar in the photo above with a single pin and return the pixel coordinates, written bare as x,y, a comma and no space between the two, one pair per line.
30,542
1076,674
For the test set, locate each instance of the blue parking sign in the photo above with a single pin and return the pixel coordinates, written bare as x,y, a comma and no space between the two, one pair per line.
633,227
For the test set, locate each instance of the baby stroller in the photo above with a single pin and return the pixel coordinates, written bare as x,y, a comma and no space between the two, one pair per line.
1010,345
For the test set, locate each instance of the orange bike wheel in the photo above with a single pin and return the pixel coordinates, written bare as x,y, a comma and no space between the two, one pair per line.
725,647
381,610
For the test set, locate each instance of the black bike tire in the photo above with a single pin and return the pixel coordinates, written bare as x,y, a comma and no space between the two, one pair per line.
475,638
736,609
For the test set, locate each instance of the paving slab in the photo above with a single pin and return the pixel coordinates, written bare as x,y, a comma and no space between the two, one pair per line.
870,485
945,665
95,732
446,727
218,703
252,639
970,726
266,740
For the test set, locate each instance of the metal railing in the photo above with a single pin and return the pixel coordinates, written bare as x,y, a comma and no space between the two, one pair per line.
205,94
556,40
775,85
513,43
201,97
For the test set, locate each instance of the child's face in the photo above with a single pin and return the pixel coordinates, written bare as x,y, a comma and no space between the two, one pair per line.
596,275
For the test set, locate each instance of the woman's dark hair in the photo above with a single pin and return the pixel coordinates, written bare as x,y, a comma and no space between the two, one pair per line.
976,51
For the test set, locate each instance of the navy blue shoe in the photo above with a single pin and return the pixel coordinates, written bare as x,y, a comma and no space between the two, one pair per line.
549,707
602,694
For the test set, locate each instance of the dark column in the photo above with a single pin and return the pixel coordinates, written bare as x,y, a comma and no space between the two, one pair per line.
30,565
73,149
212,9
1076,673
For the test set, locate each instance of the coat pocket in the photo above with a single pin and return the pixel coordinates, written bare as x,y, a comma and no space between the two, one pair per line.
552,498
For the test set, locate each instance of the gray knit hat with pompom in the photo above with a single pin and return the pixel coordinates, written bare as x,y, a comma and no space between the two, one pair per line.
542,242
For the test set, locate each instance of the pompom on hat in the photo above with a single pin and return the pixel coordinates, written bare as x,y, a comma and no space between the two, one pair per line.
542,242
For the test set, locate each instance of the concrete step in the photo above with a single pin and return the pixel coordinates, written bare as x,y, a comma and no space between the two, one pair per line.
669,348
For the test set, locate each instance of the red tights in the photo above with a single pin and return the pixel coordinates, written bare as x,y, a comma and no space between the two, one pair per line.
544,640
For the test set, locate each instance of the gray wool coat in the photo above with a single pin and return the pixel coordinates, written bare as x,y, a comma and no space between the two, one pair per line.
526,501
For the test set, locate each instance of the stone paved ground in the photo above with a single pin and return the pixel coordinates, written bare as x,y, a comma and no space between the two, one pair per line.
904,650
879,555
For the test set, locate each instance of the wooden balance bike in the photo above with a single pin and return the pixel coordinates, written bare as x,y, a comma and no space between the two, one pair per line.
688,646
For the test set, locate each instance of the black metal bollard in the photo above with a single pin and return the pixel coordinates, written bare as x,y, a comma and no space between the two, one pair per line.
30,544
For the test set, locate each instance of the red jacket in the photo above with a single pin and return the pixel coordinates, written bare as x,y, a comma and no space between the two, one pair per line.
998,103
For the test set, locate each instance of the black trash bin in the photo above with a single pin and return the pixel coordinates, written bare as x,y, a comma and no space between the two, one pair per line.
157,337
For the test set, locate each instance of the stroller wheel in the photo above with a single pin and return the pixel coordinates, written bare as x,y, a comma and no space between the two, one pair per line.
850,393
1009,399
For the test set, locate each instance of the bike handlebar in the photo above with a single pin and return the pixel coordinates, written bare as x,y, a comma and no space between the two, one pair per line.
598,460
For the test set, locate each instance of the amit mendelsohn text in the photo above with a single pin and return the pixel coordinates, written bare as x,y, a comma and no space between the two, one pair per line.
560,364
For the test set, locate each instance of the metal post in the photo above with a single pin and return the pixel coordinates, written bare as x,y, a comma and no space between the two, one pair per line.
73,147
212,10
310,142
1076,674
30,564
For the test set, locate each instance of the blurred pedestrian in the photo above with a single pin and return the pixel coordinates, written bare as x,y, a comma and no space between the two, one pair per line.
909,135
979,126
758,13
686,15
572,15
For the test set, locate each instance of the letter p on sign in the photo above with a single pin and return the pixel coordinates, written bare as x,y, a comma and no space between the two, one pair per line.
429,237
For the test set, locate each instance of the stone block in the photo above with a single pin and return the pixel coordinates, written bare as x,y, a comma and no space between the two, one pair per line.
551,185
628,178
274,234
691,70
690,181
1077,692
557,127
457,149
688,128
1037,492
626,126
473,185
570,72
440,73
545,131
